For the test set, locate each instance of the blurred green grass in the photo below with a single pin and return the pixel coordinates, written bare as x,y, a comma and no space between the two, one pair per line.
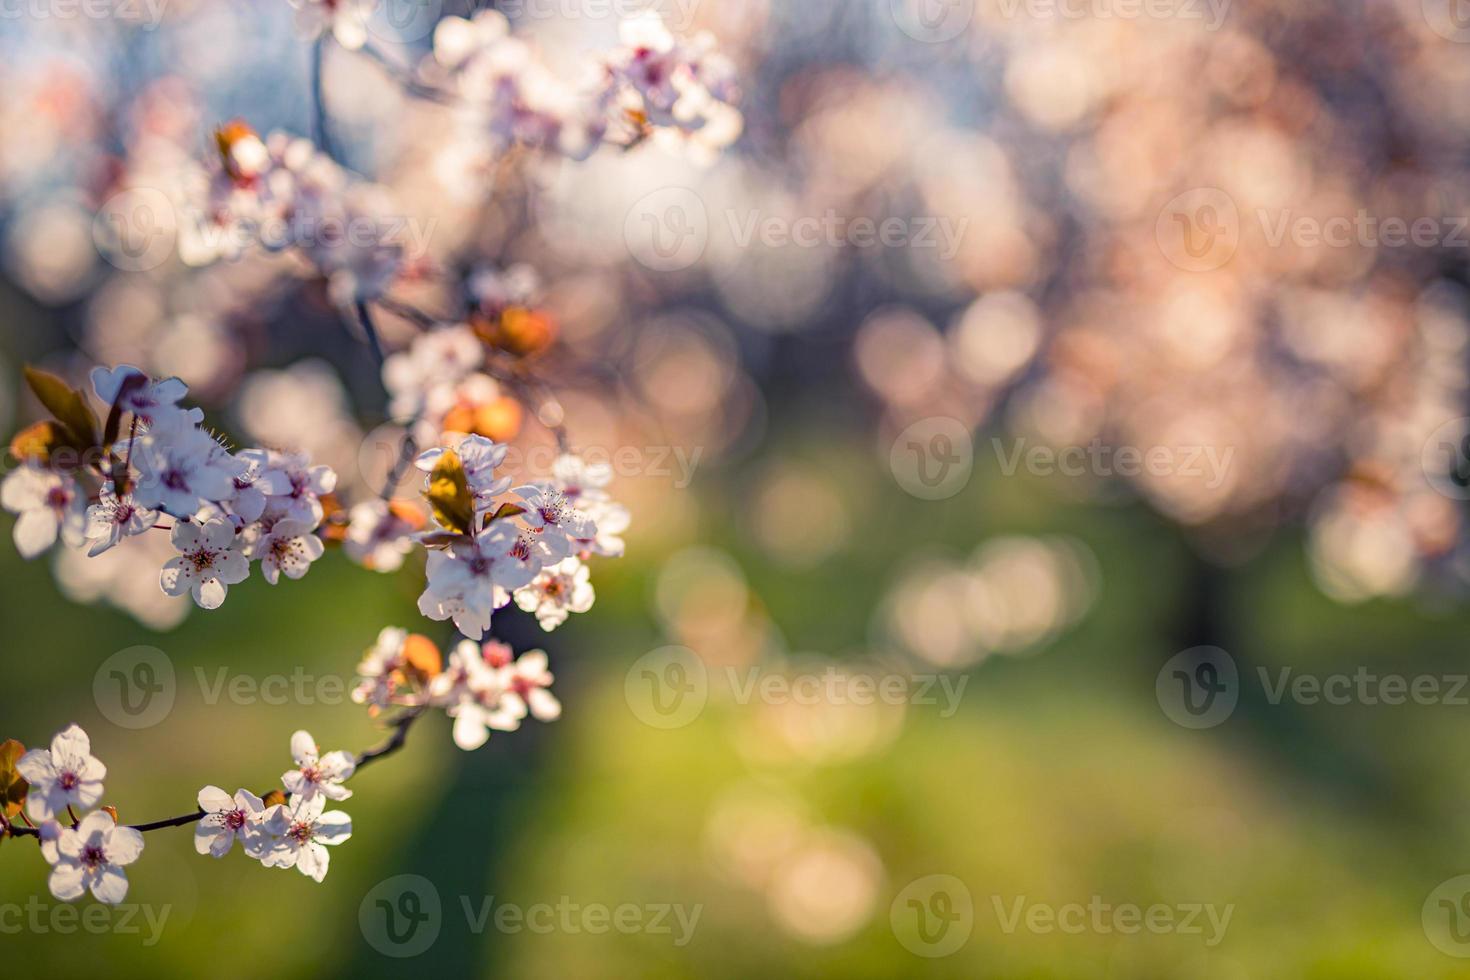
1058,778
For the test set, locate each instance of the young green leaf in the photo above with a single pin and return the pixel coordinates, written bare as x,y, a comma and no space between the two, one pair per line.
13,787
68,405
506,510
449,494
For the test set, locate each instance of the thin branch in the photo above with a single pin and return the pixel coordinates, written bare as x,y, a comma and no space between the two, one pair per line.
405,77
318,102
187,818
368,327
400,727
413,314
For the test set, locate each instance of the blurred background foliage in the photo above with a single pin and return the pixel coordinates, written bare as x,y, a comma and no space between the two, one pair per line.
1063,318
1057,778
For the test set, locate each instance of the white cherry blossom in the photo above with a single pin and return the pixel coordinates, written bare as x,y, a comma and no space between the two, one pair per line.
154,403
113,518
527,683
377,667
308,830
209,561
550,512
62,776
475,696
288,547
243,817
181,470
48,506
92,857
561,589
317,774
471,578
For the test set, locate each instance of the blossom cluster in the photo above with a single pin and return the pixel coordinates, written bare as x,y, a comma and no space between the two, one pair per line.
484,686
293,834
650,83
529,543
89,853
229,509
281,193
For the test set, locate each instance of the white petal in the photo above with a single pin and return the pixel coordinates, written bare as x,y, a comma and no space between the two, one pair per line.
219,534
248,801
313,861
36,766
87,793
206,839
66,881
469,729
303,748
212,799
232,569
532,663
334,791
544,705
185,536
35,531
44,805
210,593
334,827
96,824
110,885
338,765
176,577
71,745
123,846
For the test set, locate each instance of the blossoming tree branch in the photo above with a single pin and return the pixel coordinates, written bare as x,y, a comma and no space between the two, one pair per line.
125,456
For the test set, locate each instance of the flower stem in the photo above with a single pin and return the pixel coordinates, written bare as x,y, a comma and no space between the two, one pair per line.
318,102
400,727
371,329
